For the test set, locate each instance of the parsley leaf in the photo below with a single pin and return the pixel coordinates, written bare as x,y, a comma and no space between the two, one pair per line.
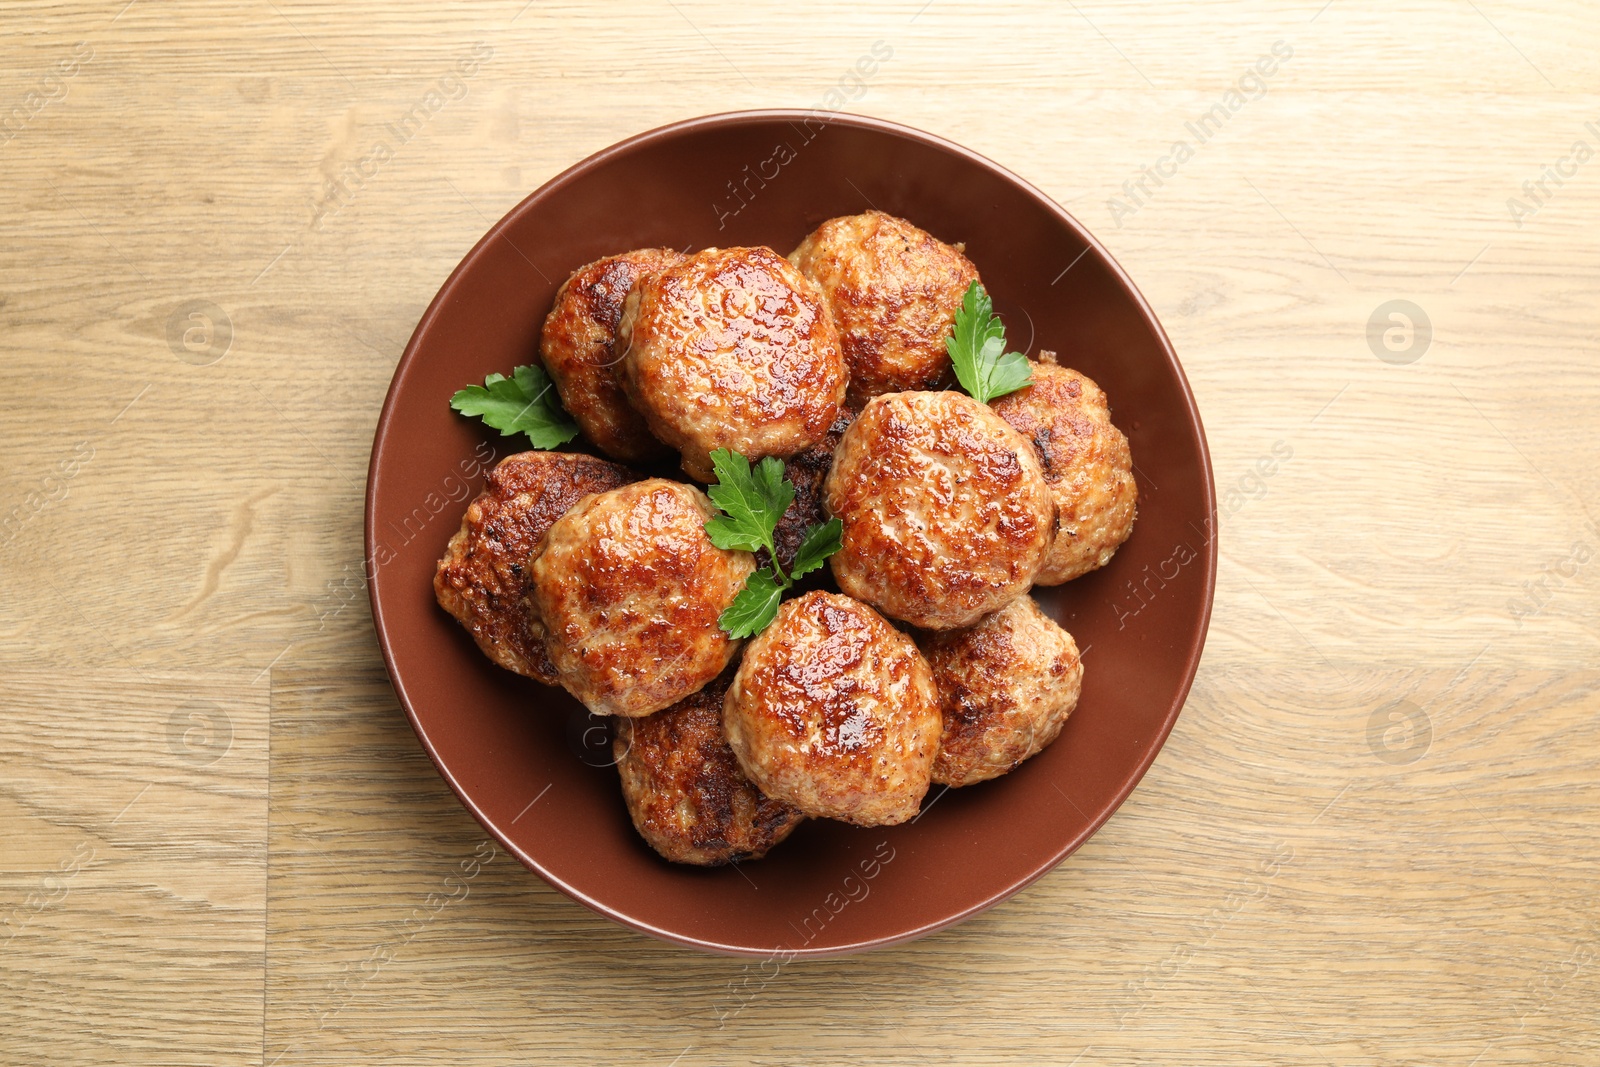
754,607
977,348
751,501
820,542
524,403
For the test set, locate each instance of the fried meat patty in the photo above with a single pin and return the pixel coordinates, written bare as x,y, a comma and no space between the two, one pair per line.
894,290
628,589
684,789
945,510
732,348
1006,687
834,711
1087,466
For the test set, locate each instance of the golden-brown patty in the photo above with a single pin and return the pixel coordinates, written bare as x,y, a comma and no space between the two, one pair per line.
1006,687
834,711
1087,465
946,514
578,347
483,576
628,588
731,348
894,290
684,789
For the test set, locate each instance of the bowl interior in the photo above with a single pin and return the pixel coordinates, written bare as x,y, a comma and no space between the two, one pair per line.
509,747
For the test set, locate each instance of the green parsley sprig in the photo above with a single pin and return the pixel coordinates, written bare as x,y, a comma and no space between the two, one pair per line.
977,348
524,403
752,500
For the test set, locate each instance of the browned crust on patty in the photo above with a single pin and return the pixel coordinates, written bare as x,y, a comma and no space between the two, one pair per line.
1006,687
834,711
629,588
731,348
894,290
684,789
945,510
1087,465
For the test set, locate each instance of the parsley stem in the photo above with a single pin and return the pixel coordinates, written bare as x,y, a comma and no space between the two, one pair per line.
777,568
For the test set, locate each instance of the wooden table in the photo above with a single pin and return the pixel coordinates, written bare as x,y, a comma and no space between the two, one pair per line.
1371,838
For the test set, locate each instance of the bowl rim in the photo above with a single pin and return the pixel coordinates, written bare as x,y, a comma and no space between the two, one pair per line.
577,172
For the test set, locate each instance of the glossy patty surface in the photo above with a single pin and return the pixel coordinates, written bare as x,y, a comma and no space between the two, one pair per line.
578,347
894,290
628,588
834,711
483,578
1087,465
684,789
1006,687
945,510
731,348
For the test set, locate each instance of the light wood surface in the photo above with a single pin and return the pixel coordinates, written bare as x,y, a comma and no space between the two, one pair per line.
1371,837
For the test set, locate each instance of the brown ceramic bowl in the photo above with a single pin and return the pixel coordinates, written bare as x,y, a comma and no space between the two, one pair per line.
517,752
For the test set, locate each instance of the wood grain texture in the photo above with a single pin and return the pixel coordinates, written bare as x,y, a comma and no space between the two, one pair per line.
1370,837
